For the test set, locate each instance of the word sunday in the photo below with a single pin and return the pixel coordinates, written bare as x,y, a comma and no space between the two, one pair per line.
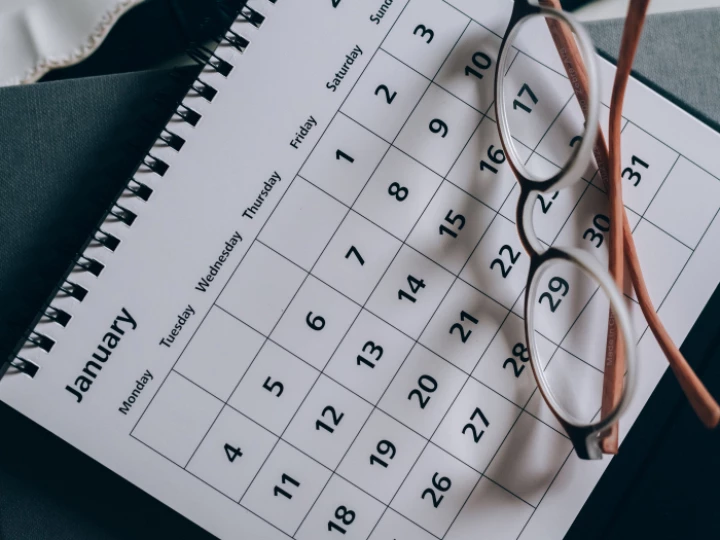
110,341
340,75
381,12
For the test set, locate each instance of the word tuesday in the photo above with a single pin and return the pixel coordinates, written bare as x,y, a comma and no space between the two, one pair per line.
340,75
110,341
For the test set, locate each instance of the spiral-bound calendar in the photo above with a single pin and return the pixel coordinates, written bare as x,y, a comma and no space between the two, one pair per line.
302,318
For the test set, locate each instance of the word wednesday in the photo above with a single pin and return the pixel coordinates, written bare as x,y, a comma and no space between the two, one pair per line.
302,133
109,341
340,75
204,283
181,320
264,194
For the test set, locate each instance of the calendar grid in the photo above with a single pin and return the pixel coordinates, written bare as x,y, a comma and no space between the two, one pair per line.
375,406
270,340
416,341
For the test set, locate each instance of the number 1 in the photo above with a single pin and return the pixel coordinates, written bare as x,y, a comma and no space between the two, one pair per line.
340,154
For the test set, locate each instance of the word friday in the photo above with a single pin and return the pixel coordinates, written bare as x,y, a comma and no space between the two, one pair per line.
302,133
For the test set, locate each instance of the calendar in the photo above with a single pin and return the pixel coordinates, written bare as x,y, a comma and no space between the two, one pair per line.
314,327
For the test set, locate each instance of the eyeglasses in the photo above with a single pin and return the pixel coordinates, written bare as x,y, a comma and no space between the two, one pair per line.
584,436
589,438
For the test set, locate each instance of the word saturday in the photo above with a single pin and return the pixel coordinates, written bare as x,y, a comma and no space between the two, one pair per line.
340,75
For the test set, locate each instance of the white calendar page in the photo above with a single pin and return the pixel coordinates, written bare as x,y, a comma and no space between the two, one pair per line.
329,363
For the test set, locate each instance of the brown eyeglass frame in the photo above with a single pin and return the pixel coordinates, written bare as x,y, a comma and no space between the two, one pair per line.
622,249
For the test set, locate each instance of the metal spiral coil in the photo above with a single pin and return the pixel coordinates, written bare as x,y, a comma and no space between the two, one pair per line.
232,12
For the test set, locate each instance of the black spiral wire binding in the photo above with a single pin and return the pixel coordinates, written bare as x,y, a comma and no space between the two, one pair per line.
231,12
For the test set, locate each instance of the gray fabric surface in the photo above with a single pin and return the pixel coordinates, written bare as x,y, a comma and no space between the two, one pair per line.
63,153
679,53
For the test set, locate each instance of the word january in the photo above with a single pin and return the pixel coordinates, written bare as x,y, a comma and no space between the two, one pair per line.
340,75
110,341
139,387
181,320
302,133
204,283
264,194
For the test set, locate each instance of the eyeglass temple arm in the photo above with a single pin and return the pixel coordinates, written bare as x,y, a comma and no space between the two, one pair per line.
700,399
614,350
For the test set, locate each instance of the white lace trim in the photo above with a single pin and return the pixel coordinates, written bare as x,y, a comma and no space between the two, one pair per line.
85,49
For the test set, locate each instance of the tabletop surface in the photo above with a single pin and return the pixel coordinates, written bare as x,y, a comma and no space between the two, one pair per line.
59,138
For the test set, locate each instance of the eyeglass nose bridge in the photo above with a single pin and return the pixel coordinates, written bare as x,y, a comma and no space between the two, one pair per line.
524,220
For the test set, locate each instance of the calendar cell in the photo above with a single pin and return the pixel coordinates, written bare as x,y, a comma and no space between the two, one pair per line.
565,135
576,385
356,257
266,279
410,292
315,322
665,255
686,218
587,338
385,96
422,391
551,209
646,162
303,223
327,422
494,16
482,169
213,359
344,159
534,97
476,425
273,388
381,456
286,488
232,453
505,366
463,326
434,492
398,193
451,227
177,419
438,129
492,511
469,72
529,459
588,227
393,526
342,511
425,34
369,356
563,292
499,265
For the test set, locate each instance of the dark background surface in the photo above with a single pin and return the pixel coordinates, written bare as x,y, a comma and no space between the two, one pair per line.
66,147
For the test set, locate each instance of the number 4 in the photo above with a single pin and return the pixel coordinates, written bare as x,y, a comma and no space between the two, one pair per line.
232,452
